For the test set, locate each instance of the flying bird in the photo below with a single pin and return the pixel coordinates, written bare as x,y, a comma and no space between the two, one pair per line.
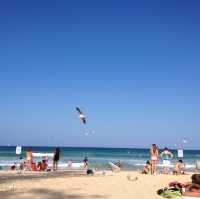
184,141
81,115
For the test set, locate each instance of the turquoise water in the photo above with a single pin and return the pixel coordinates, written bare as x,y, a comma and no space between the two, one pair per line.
99,157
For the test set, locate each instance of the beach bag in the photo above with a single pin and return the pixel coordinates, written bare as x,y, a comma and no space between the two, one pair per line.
90,172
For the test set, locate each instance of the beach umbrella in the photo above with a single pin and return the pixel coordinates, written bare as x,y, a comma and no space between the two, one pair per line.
81,115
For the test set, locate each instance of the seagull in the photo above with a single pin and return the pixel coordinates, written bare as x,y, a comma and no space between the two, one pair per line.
81,115
184,141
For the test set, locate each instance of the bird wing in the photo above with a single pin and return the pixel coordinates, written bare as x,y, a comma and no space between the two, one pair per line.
79,111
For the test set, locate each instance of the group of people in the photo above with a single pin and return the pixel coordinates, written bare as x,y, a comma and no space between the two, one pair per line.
166,156
150,167
42,165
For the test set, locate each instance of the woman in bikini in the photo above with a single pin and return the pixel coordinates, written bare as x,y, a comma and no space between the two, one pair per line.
29,158
154,158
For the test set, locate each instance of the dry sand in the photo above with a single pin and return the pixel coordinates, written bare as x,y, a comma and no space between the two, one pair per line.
64,185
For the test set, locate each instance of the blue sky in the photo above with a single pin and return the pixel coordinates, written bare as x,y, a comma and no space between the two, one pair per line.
133,67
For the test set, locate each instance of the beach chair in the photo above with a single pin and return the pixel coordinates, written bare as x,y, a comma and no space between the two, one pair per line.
197,166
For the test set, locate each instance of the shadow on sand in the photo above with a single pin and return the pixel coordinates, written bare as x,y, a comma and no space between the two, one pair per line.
47,194
38,175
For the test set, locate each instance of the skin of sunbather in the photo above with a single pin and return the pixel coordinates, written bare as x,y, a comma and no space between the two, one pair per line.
192,194
154,157
33,166
192,188
179,168
44,165
147,168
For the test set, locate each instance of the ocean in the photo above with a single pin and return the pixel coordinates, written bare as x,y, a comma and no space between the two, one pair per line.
132,159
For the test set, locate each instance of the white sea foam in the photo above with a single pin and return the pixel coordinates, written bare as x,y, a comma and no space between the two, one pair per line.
188,166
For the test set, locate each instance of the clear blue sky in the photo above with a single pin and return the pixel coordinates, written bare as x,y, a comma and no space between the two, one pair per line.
133,67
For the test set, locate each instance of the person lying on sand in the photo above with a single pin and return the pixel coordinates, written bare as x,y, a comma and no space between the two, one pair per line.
147,168
179,168
191,189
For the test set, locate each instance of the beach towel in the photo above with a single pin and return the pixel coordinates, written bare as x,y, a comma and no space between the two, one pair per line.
169,193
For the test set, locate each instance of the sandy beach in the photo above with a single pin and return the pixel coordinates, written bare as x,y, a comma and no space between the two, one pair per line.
65,185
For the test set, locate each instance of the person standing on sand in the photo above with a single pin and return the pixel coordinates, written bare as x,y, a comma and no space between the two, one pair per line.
154,158
166,156
56,158
29,158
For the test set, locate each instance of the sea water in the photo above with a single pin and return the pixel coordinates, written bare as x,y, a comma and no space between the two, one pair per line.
131,158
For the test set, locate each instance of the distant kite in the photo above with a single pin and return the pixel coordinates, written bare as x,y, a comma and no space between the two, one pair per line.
81,115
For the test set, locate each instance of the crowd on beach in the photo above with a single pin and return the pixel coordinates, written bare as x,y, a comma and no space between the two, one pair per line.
29,165
166,156
174,189
150,167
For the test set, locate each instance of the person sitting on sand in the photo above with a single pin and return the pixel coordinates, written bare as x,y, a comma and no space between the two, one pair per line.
191,189
33,166
42,166
147,168
119,164
21,163
179,168
88,166
13,167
